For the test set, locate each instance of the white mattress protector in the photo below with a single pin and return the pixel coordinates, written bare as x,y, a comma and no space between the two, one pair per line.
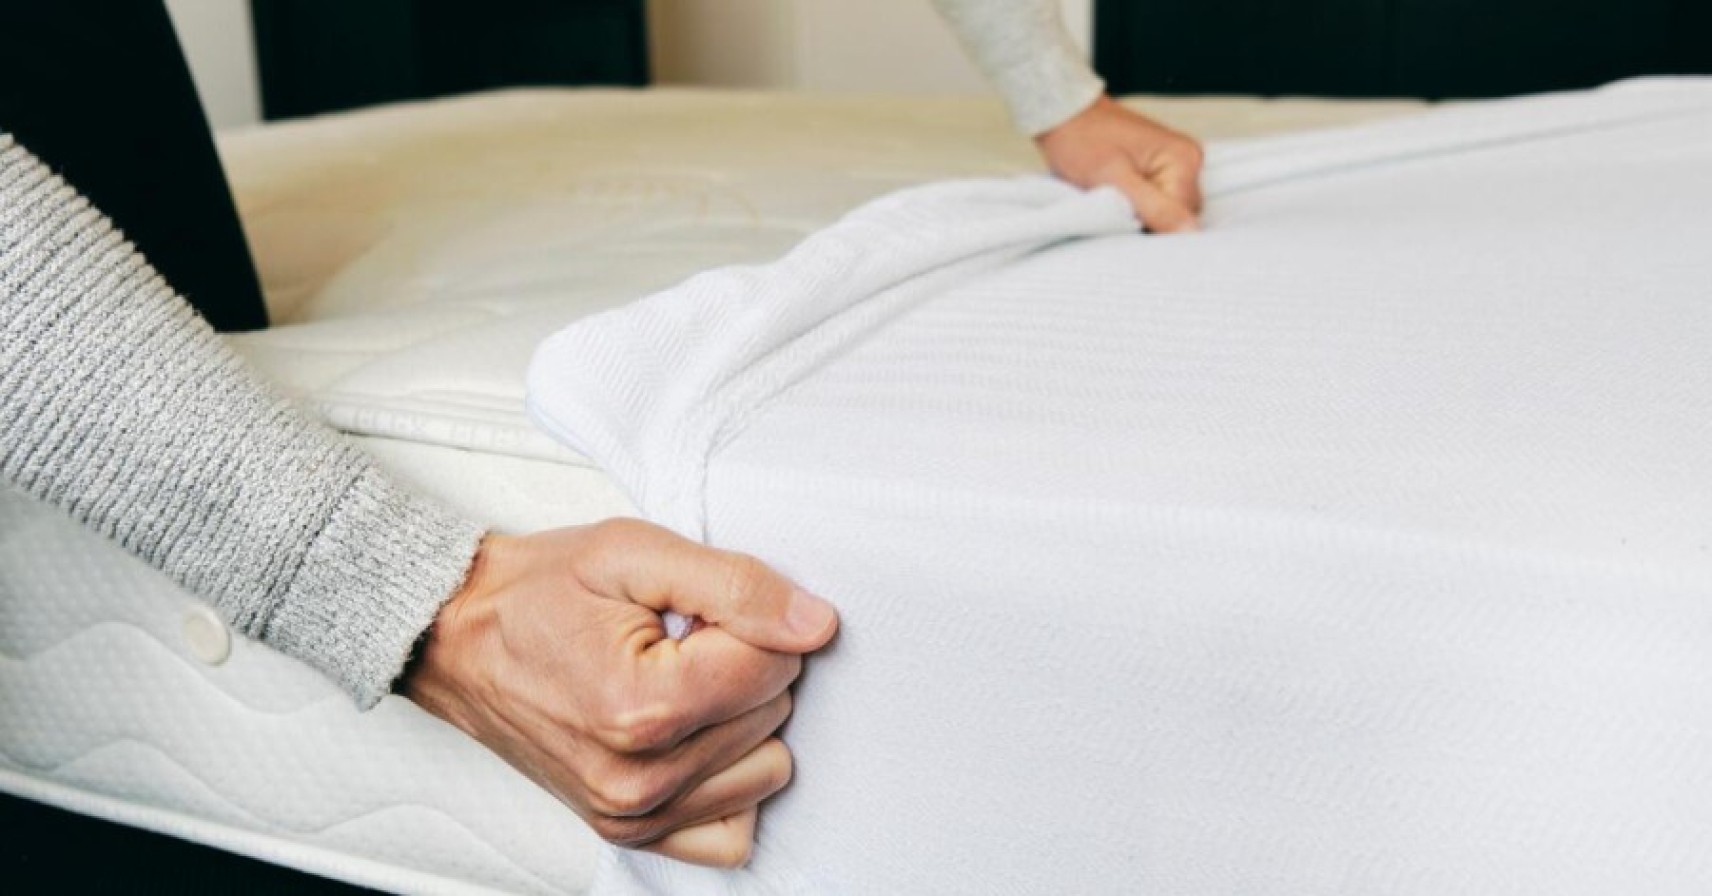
1358,544
418,253
413,256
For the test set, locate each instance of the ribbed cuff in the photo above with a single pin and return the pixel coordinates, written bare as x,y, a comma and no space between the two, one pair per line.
1048,90
371,584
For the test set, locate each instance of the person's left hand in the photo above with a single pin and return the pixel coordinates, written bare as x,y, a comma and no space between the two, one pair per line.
554,656
1157,168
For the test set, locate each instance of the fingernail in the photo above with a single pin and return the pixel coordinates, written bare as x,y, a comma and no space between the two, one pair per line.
808,615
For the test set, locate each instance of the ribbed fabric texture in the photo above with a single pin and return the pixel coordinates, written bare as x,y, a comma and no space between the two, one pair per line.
1358,543
120,405
1024,49
729,340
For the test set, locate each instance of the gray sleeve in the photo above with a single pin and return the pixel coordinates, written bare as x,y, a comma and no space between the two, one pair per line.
120,406
1024,49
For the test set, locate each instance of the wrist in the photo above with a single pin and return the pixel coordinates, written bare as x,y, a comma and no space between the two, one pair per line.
433,677
1096,107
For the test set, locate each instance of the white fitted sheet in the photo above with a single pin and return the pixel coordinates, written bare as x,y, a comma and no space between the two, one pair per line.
412,258
1357,544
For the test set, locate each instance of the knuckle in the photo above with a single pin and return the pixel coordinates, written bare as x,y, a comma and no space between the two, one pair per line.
608,828
631,728
628,833
628,794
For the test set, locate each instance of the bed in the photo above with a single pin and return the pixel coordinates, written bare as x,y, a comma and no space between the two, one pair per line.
1353,544
412,257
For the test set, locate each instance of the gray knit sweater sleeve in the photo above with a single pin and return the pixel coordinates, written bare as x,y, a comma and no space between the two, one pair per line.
120,406
1024,49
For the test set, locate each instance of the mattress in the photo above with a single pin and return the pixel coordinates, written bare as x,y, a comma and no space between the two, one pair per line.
1356,544
412,257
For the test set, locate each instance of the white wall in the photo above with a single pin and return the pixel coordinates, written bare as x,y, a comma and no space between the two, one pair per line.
728,43
217,41
873,45
841,45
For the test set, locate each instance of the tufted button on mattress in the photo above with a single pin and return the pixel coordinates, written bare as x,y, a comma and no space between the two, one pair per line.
206,635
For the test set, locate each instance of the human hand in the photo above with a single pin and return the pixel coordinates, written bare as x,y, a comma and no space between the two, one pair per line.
1158,168
553,655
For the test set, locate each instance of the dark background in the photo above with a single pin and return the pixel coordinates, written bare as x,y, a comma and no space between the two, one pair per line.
325,55
46,850
1419,48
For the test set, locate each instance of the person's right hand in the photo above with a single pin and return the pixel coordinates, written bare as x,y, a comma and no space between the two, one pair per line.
553,655
1155,167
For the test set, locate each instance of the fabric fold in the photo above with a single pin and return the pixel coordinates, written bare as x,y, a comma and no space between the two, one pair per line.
652,388
1356,543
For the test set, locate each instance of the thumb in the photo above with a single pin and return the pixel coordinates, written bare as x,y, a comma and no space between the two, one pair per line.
664,572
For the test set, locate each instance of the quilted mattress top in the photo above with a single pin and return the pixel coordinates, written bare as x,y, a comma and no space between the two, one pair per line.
413,256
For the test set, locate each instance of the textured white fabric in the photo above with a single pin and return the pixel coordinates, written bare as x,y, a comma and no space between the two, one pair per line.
1358,544
419,253
107,709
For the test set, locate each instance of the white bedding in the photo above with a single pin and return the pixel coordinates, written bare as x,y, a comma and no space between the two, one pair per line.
1358,544
413,256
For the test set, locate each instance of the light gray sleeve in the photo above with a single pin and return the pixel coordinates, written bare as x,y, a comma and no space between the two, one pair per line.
1024,49
119,405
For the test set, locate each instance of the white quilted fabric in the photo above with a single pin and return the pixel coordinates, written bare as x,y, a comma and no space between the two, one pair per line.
414,256
1357,544
102,694
420,252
